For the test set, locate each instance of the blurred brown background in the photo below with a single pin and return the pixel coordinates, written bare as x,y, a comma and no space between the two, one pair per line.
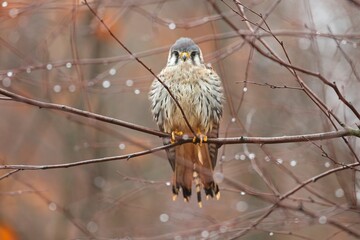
58,52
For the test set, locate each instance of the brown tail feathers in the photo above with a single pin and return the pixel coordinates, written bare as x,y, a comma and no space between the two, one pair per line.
193,163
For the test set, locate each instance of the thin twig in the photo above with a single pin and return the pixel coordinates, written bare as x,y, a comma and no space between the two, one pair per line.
89,161
8,174
271,85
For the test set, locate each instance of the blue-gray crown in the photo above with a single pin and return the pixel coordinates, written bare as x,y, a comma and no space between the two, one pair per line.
184,45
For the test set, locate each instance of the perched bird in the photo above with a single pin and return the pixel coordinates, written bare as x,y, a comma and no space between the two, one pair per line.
198,90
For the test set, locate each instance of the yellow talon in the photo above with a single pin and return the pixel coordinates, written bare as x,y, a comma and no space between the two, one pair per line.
173,137
179,133
172,140
200,204
202,137
174,197
217,196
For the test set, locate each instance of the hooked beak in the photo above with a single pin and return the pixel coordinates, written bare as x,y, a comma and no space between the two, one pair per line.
184,56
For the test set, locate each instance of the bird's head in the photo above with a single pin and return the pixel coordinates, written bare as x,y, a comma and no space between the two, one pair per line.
185,51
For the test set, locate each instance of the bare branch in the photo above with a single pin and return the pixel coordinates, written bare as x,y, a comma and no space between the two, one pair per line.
64,108
237,140
288,139
234,140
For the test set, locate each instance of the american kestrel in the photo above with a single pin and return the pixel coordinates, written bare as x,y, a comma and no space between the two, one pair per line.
198,90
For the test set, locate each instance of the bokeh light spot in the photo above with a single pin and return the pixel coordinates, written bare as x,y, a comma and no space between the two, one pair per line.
241,206
106,84
322,220
49,66
129,83
339,192
122,146
92,227
164,217
205,234
72,88
57,88
172,26
99,182
112,71
6,82
52,206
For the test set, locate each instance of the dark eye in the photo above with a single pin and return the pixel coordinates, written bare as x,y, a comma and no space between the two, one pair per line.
176,53
193,54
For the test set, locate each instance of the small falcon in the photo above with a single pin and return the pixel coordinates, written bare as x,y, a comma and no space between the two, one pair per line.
199,92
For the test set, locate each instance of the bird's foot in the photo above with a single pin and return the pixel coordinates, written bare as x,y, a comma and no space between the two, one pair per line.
174,134
200,138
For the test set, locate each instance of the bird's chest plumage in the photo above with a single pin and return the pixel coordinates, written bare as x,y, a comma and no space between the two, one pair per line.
187,87
198,91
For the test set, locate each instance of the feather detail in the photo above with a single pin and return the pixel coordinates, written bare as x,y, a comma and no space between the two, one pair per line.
192,162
